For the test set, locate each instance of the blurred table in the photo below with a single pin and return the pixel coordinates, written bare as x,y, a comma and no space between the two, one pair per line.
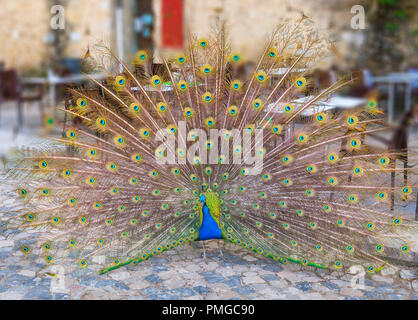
52,80
334,102
392,79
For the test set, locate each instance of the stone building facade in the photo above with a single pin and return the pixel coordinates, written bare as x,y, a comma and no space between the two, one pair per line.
26,36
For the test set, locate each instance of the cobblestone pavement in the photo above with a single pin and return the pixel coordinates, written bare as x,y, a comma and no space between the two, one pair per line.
227,272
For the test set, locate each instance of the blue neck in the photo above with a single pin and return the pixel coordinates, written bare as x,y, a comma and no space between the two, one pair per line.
209,228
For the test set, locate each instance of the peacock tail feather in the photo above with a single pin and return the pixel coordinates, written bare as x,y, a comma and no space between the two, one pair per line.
130,178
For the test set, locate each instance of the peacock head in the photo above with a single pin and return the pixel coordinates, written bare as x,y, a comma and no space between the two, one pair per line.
202,198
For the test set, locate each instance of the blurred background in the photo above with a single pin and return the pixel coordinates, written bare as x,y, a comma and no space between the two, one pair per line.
43,43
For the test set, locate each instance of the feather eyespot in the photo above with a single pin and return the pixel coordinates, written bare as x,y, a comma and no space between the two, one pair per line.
30,217
272,53
300,82
288,108
207,97
182,85
332,181
397,221
236,85
181,59
71,201
119,141
235,57
406,190
22,192
382,196
26,249
81,102
136,157
370,226
302,138
383,161
261,76
257,104
134,107
162,107
203,42
405,249
352,121
206,69
141,56
120,81
101,122
358,171
287,159
71,134
209,122
188,112
156,81
277,129
112,167
332,157
354,144
144,133
321,118
372,104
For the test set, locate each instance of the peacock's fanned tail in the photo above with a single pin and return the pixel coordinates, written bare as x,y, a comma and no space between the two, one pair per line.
316,193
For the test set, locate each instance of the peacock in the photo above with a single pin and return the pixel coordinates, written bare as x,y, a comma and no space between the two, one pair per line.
194,148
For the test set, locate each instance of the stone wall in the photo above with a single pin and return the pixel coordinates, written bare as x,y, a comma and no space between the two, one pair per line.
251,21
26,35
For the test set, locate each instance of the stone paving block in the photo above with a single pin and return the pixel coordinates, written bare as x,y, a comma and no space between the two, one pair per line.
273,267
88,281
270,277
243,290
182,292
119,275
11,295
38,293
351,292
212,277
111,283
378,278
279,284
174,282
374,295
252,279
153,278
159,268
61,296
202,290
330,285
304,286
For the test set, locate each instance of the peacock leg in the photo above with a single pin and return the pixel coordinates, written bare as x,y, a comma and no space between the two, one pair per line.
204,252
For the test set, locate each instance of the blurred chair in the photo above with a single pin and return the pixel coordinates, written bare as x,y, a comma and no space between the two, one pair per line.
397,142
11,89
414,84
324,78
363,83
70,66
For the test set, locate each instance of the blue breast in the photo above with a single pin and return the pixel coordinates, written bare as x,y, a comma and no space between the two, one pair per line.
209,228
